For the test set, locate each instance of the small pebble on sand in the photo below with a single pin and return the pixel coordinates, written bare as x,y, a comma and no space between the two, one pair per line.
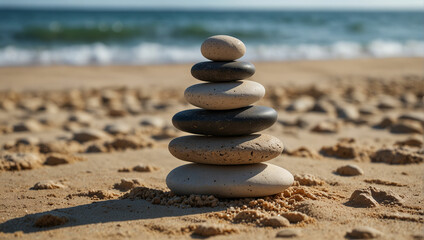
349,170
364,232
289,233
276,222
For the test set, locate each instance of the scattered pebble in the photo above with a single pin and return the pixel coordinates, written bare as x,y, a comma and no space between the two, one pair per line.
388,102
28,126
349,170
54,159
166,133
156,122
324,107
31,104
72,126
302,104
294,122
29,140
47,184
109,96
407,126
81,117
49,220
208,230
364,233
117,128
49,107
96,148
64,147
368,110
409,99
276,222
289,233
413,141
348,112
87,135
295,217
7,105
386,122
413,116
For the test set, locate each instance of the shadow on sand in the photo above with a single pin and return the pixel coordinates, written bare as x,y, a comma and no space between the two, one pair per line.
101,212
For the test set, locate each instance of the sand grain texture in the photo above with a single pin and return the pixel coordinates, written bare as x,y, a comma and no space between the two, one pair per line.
365,112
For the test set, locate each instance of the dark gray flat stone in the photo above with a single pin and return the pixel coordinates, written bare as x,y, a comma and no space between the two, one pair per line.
236,122
222,71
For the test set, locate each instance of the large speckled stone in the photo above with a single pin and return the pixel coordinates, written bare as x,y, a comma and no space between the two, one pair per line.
236,122
222,48
224,96
236,181
222,71
226,150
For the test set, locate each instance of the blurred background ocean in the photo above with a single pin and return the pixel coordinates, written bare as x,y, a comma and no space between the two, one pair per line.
81,37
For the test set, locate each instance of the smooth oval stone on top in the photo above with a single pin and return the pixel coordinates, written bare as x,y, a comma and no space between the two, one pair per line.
241,121
222,48
237,181
224,96
226,150
222,71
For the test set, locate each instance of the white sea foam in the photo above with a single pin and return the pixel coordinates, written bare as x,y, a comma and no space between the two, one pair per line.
154,53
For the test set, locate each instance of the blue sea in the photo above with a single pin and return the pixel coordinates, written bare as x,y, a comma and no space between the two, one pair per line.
71,37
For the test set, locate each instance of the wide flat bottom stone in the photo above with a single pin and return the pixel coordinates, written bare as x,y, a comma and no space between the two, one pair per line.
237,181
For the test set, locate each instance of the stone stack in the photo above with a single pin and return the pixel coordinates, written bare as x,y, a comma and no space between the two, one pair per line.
227,153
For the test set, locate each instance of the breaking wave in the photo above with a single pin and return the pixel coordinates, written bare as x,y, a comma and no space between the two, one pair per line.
154,53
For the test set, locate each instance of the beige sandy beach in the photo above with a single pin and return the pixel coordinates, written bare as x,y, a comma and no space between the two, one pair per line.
109,183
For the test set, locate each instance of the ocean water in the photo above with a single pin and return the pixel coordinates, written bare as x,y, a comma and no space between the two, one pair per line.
46,37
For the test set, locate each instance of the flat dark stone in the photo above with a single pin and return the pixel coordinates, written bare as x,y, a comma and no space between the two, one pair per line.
235,122
222,71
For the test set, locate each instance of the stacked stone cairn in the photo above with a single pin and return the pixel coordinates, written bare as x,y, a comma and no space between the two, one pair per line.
227,154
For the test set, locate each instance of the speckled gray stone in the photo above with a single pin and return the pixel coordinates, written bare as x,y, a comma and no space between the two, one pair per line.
236,181
226,150
236,122
222,48
224,96
222,71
